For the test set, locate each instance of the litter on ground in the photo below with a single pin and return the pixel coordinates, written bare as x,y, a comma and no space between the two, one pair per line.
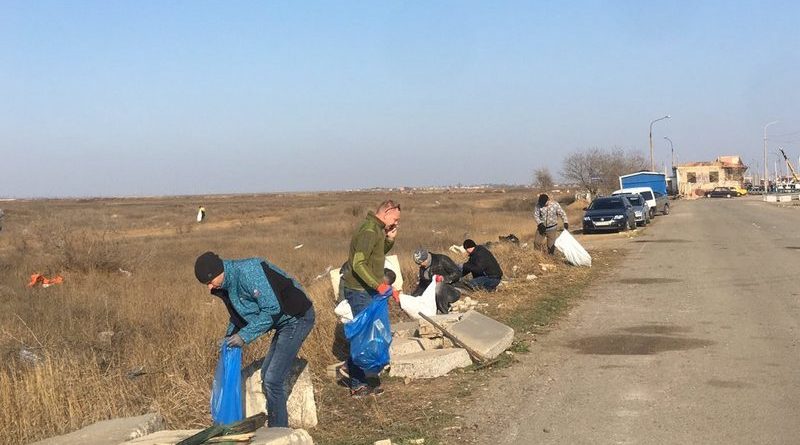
39,279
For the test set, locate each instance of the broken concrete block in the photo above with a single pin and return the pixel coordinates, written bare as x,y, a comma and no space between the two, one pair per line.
262,436
402,346
110,432
429,364
429,344
436,343
167,437
330,370
406,329
427,330
301,405
383,442
482,334
281,436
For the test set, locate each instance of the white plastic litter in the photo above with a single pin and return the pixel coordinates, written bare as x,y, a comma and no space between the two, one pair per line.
425,303
455,248
572,249
344,311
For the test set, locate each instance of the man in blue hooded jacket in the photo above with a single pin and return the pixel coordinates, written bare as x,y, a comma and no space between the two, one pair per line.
261,297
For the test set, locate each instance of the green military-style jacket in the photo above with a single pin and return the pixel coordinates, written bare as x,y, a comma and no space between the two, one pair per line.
368,250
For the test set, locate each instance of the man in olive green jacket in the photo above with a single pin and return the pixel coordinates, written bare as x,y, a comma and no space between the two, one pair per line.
363,279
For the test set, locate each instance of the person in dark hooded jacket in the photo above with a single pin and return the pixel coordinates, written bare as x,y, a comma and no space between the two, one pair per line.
486,272
431,264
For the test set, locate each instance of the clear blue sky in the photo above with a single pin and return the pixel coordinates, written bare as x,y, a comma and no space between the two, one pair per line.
183,97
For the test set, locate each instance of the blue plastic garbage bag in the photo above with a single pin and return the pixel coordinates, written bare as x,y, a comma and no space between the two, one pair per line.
370,336
226,394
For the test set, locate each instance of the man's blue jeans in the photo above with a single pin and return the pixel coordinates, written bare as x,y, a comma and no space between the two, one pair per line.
487,283
285,345
359,300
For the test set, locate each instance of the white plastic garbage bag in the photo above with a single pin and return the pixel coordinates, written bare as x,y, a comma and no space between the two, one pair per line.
344,311
572,249
425,303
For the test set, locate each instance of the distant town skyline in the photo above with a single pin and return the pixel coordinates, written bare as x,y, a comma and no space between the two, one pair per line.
199,97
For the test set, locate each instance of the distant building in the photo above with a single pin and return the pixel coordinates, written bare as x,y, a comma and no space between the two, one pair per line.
695,178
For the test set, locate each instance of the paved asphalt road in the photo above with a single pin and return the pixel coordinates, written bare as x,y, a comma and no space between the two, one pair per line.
693,341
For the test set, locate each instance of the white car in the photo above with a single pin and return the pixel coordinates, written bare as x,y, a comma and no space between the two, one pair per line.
657,202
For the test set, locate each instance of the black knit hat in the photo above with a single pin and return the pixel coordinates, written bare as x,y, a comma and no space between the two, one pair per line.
468,244
543,198
207,267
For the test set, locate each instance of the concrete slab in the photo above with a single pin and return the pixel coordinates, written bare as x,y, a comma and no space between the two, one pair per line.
406,329
402,346
168,437
281,436
427,330
429,364
484,335
262,436
301,404
110,432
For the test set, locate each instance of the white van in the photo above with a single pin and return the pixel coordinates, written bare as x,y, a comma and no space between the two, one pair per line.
657,202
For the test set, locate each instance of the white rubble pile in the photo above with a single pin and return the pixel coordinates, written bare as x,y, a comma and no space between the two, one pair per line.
466,303
420,350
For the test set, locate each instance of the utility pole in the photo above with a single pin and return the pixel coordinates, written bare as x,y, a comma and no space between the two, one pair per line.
766,173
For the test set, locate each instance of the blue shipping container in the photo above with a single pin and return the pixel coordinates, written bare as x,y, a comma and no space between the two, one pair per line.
656,181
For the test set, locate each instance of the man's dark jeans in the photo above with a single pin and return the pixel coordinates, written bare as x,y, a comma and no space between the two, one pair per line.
486,283
283,350
359,300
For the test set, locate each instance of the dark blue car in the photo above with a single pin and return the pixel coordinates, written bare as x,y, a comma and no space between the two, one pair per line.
609,214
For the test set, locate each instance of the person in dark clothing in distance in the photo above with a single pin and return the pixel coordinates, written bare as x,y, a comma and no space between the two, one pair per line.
486,272
431,264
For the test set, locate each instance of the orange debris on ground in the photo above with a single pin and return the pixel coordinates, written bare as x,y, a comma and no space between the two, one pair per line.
38,278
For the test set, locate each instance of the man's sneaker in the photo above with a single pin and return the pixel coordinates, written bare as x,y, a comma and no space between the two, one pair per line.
364,391
360,392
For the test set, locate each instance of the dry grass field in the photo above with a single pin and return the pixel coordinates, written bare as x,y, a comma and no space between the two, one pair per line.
107,343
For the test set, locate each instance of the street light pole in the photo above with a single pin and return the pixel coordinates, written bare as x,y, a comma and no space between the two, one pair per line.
766,173
652,163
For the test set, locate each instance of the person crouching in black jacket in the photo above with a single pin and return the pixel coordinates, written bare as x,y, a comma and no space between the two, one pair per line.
431,264
486,272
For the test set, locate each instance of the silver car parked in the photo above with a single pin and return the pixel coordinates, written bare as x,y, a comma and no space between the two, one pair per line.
641,209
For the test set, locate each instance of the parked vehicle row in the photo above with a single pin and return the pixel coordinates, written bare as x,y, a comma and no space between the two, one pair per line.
723,192
624,210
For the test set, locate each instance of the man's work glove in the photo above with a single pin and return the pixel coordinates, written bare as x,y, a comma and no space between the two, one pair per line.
540,228
385,290
566,226
234,341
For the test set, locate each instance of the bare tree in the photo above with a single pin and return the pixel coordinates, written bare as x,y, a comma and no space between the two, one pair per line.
598,169
542,179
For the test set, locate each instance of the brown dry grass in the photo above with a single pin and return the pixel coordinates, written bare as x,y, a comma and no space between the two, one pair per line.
113,345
